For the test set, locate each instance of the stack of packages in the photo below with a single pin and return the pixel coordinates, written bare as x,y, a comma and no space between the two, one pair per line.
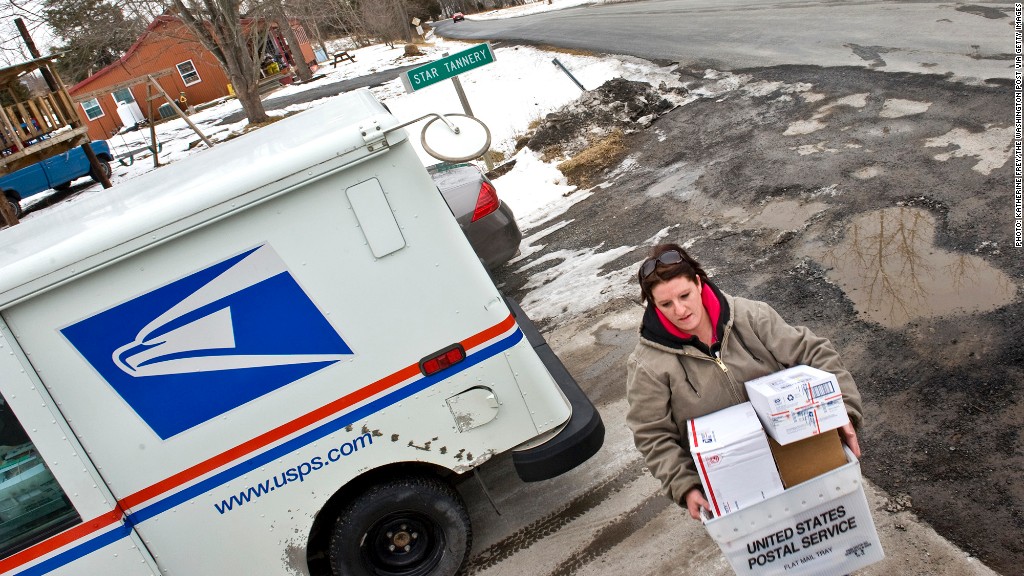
790,501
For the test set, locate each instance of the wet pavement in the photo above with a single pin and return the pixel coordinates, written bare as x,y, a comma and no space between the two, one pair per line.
871,207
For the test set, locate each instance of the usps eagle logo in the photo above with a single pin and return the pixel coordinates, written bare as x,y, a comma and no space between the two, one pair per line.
210,342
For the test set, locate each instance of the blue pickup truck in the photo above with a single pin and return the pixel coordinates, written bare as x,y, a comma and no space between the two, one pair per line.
57,172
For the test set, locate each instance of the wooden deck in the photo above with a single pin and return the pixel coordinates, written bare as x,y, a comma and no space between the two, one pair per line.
38,127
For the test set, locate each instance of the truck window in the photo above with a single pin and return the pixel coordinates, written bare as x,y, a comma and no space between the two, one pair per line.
32,505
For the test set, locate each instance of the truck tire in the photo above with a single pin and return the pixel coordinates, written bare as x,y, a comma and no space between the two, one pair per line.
412,526
15,205
106,170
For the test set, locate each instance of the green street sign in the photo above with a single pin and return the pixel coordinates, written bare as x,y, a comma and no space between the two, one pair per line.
447,67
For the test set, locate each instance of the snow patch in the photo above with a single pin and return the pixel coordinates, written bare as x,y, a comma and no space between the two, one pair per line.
576,283
991,147
804,127
897,108
536,190
814,149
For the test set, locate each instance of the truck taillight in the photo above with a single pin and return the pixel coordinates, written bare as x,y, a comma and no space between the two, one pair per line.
486,202
441,360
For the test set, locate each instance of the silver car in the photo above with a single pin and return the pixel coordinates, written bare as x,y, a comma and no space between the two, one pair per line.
487,222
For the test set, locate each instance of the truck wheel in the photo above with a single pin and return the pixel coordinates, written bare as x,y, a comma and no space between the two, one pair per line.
15,205
414,526
106,171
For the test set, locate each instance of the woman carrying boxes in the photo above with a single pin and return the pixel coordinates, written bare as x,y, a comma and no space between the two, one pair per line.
697,348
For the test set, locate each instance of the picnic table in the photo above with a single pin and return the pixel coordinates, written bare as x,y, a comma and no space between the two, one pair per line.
341,57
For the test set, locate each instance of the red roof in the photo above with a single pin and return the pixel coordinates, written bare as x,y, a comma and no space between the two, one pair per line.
156,23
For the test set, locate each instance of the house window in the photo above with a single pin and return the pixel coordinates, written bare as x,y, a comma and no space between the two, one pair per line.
92,109
188,73
123,96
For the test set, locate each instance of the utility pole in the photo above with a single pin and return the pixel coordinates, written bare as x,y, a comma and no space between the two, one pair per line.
53,83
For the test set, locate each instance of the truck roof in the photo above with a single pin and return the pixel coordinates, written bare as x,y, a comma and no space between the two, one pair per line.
74,237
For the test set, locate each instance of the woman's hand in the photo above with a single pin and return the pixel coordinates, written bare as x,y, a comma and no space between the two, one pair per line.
695,501
849,436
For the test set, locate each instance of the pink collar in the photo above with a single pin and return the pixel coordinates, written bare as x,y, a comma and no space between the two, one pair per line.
711,306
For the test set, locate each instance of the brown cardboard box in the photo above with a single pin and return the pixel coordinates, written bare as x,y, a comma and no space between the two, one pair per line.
804,459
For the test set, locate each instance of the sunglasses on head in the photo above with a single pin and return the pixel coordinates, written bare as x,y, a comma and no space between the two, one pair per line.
667,258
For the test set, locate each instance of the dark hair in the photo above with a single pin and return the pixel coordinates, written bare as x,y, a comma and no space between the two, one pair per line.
664,272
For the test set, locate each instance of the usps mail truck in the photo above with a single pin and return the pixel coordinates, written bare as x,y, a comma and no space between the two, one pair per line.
275,357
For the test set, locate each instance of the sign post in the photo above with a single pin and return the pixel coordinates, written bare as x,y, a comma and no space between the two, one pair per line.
450,67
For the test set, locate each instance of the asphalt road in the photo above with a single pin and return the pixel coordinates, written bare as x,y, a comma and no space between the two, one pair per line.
323,89
854,173
967,41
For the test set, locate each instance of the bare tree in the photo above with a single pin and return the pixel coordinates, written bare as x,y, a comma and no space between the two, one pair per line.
95,33
285,26
387,20
219,26
12,47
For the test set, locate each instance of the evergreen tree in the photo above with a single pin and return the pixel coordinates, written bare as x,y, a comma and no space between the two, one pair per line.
95,34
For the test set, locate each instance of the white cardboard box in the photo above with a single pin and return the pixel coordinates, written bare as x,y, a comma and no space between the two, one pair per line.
822,527
797,403
733,459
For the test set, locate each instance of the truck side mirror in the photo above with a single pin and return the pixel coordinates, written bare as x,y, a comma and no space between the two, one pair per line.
469,139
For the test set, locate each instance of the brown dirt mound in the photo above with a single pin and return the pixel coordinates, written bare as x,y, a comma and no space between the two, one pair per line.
618,104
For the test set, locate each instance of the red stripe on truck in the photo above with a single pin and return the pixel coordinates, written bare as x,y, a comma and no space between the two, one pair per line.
102,521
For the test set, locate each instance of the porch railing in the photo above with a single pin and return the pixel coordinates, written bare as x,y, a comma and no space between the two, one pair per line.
23,123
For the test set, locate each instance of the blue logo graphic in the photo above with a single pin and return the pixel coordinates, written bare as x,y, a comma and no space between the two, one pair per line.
210,342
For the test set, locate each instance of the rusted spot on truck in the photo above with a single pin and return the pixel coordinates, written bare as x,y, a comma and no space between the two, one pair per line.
294,558
473,463
425,447
464,421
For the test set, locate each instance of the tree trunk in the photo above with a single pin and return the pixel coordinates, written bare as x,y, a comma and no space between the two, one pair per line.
219,29
406,22
319,37
285,26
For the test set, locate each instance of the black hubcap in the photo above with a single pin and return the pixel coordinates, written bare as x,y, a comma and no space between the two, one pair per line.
403,544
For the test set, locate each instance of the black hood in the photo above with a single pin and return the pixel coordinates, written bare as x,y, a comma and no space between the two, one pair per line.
652,329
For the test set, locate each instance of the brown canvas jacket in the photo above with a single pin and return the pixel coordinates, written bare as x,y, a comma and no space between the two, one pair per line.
666,385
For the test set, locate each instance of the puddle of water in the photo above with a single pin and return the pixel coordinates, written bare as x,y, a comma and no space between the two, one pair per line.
897,108
679,180
867,172
787,214
890,268
991,147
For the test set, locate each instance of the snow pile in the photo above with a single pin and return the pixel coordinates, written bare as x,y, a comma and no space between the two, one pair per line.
627,105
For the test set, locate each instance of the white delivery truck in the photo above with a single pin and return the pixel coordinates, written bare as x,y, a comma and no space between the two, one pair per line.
271,358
